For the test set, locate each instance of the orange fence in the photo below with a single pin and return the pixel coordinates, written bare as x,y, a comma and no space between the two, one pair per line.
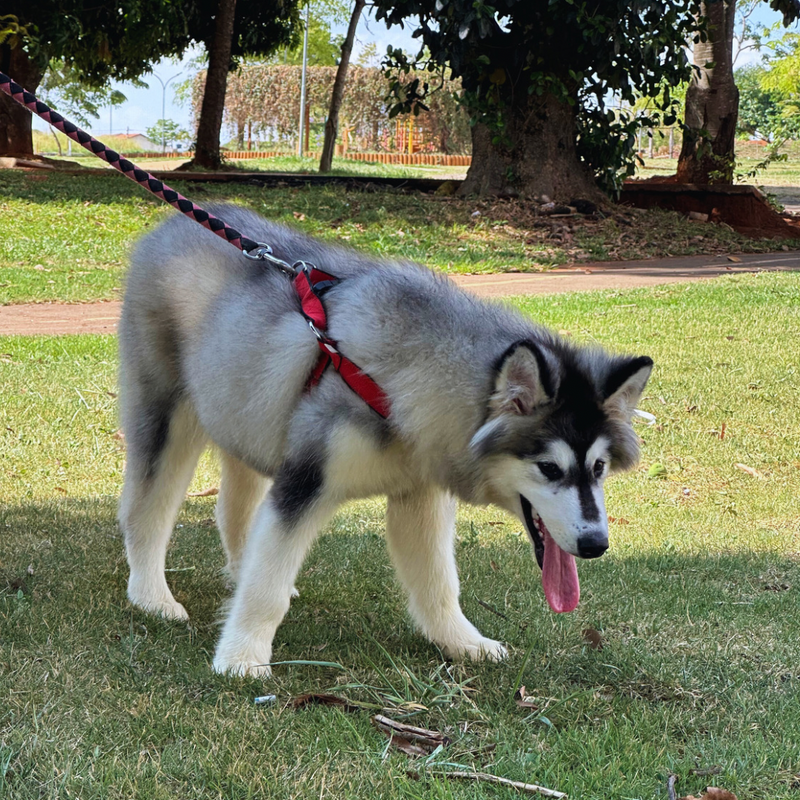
433,159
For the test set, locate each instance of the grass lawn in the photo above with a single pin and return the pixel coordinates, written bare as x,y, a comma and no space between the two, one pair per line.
66,238
696,602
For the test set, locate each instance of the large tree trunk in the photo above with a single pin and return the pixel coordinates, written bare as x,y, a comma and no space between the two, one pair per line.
206,152
16,138
332,123
540,159
712,102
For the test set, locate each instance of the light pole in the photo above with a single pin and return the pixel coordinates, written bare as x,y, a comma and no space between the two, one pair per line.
303,84
163,108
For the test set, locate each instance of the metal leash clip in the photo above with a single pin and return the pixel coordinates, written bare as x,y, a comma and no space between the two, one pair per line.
264,253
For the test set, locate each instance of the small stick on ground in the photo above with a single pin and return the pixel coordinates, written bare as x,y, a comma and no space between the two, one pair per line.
428,739
671,787
531,788
491,608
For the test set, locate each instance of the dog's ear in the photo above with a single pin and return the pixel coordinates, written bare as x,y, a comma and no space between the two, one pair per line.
526,377
624,385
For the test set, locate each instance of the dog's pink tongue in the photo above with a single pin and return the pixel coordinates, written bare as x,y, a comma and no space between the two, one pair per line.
559,576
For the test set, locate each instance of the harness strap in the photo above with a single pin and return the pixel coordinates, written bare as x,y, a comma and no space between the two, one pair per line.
310,285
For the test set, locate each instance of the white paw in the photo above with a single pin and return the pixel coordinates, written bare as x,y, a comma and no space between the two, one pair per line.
294,592
157,601
481,650
167,609
240,656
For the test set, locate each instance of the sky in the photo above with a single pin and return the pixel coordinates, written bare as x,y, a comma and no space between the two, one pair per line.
143,106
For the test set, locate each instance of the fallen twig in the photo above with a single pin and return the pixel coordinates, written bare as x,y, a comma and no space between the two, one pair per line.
749,470
429,740
491,608
671,788
531,788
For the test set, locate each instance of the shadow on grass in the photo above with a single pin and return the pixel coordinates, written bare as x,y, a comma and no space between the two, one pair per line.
65,561
698,667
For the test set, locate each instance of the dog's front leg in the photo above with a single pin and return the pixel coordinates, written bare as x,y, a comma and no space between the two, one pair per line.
420,530
285,527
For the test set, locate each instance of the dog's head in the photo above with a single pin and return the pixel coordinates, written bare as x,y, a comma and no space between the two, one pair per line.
559,422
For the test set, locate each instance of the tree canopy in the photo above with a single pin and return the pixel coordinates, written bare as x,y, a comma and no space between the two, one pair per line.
99,42
539,77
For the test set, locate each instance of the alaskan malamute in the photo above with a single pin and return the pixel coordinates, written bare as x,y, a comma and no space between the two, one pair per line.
486,407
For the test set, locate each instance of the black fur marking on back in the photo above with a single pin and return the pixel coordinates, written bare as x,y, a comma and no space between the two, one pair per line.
297,483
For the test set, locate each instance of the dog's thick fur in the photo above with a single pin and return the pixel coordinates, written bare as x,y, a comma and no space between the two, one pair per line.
486,408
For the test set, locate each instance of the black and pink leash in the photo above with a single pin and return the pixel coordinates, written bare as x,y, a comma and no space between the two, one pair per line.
250,248
310,282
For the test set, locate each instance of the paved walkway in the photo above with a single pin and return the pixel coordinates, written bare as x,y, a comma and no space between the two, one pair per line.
60,318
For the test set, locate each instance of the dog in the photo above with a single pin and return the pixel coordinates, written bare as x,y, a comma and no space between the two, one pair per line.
486,407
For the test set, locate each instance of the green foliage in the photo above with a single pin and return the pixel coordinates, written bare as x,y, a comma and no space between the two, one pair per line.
11,32
324,47
168,131
759,108
62,88
509,54
267,99
104,41
782,80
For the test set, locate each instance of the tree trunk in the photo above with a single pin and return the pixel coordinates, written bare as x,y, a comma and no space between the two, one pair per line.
206,153
337,95
712,102
16,137
540,157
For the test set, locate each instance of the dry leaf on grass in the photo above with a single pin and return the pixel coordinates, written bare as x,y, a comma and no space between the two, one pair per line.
212,491
315,699
712,793
593,638
524,700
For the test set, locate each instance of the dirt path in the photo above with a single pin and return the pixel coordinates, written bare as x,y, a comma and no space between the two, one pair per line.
62,318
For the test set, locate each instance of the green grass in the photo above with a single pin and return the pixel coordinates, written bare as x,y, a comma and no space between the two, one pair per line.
67,238
296,164
696,601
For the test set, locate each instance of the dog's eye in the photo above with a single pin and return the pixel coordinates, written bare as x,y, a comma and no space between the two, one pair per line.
599,468
550,470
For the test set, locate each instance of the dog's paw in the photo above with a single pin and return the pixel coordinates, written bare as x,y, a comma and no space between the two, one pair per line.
483,649
166,607
294,593
243,657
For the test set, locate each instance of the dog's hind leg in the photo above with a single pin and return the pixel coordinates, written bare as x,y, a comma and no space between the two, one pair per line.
164,442
420,532
241,491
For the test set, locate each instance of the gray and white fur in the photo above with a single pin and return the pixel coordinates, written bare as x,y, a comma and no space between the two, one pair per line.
486,408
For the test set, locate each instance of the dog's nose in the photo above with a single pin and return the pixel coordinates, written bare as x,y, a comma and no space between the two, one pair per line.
592,545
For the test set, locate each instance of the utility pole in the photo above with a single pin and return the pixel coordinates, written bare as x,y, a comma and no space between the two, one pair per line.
303,84
164,108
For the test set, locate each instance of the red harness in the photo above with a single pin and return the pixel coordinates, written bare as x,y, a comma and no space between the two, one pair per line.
310,284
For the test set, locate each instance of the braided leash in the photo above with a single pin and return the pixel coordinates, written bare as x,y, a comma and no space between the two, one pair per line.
308,280
252,249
